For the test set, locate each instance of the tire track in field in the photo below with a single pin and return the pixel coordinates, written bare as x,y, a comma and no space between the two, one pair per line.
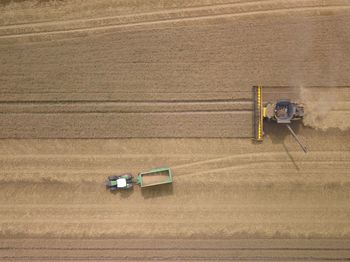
162,9
192,250
94,168
177,258
111,18
178,16
125,107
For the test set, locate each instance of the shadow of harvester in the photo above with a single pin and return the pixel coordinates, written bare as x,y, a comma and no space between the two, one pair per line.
279,132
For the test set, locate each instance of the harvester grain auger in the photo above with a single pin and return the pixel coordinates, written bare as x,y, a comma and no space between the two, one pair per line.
282,112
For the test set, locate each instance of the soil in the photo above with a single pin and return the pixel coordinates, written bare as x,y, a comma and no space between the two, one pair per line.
94,88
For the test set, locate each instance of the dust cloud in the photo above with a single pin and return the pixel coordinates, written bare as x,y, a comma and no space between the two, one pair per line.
322,109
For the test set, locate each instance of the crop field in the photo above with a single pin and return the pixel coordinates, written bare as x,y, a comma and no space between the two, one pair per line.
94,88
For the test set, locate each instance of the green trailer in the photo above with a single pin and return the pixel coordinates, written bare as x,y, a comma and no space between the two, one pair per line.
154,177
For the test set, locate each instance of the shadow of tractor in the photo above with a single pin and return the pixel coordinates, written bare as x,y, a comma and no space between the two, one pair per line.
124,193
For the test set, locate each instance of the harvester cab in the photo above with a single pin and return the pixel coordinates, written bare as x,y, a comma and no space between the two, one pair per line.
281,112
284,111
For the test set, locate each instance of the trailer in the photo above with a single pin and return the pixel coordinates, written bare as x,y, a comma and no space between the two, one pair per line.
154,177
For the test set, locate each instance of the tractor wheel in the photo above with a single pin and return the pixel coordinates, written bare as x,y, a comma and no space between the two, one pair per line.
127,176
111,178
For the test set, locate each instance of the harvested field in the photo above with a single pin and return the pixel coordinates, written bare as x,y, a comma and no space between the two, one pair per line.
222,188
96,88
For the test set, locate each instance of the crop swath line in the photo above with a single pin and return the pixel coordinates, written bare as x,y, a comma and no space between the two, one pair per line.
179,248
46,22
181,19
176,258
202,101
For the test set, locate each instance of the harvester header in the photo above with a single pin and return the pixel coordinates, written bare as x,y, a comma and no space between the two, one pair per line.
258,114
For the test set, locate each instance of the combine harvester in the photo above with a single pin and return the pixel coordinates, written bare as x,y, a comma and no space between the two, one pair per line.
154,177
282,112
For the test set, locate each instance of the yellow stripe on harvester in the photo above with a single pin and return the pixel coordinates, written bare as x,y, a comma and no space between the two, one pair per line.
260,116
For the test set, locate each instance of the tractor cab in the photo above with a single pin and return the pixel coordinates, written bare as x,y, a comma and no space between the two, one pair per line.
121,183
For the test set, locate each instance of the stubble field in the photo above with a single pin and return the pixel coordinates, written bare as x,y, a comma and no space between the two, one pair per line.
94,88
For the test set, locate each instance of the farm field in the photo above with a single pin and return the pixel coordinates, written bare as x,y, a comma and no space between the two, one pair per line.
96,88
